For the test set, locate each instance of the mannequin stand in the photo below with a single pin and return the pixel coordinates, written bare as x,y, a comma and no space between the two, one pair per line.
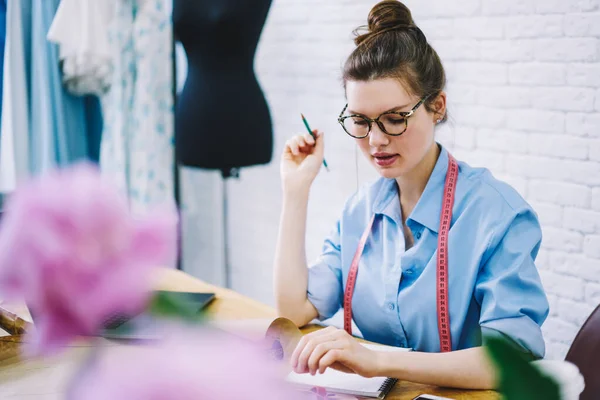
227,173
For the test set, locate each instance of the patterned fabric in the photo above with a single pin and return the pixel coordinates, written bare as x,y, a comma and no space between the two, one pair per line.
137,141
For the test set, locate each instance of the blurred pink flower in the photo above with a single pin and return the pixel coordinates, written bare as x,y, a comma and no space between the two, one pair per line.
70,248
188,365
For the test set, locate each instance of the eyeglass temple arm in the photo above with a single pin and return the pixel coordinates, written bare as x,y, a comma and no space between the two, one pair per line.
343,111
418,104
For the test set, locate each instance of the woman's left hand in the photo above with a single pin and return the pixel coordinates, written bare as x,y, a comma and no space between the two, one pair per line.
333,348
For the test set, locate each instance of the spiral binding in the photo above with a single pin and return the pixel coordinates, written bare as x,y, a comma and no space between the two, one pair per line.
387,386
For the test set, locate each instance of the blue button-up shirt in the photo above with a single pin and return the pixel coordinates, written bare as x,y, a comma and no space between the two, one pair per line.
494,286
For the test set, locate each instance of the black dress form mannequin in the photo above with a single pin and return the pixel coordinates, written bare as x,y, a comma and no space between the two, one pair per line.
222,120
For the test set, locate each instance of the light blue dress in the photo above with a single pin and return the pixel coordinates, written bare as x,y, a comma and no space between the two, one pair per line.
137,140
15,134
2,42
42,123
58,119
494,286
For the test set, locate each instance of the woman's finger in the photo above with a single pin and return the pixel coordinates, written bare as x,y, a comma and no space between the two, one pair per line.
309,139
293,146
319,351
328,359
299,139
306,348
305,340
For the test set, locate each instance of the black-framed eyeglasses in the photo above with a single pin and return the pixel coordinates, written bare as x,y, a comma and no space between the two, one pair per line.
393,123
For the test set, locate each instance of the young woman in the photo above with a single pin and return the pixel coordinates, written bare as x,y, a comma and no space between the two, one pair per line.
435,255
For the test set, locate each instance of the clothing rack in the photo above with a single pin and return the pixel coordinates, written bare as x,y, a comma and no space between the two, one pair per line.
176,173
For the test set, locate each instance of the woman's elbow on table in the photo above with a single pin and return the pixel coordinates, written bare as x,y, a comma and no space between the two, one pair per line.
300,314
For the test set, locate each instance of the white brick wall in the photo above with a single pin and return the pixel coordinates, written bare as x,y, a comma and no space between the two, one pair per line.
524,98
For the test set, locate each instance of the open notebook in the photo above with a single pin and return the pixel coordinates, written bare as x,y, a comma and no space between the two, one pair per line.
339,382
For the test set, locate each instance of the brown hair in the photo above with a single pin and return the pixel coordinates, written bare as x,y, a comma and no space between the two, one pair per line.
395,47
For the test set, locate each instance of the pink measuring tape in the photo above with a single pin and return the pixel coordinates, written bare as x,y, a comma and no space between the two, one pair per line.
442,262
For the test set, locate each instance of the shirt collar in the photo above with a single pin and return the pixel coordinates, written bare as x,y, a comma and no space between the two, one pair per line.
386,201
428,209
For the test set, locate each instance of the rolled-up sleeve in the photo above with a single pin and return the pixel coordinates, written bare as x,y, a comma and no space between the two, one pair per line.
509,288
325,277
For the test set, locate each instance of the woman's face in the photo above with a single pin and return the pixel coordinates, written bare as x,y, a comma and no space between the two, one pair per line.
392,156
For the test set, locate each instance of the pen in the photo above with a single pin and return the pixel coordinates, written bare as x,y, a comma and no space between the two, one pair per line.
313,135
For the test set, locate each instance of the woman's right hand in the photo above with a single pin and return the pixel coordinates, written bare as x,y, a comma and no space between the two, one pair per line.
301,160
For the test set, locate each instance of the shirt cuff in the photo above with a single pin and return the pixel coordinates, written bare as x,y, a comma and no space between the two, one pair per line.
324,290
521,330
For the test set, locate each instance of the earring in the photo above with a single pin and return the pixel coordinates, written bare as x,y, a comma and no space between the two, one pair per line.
439,120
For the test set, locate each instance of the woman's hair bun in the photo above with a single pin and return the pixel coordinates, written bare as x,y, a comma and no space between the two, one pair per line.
385,16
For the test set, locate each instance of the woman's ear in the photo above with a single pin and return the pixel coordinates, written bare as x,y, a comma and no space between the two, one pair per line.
439,107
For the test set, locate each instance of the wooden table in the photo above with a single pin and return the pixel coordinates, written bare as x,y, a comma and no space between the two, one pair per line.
37,379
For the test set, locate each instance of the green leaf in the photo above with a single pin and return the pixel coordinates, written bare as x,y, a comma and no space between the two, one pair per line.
519,379
175,305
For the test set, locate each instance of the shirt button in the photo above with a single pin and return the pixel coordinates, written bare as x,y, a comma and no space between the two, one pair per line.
408,272
391,306
418,235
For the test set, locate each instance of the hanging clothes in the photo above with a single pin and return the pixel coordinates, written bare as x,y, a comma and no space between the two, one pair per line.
43,126
137,140
80,29
58,124
14,125
2,42
93,116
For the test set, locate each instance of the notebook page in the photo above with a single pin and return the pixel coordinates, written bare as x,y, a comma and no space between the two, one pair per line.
342,382
339,381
